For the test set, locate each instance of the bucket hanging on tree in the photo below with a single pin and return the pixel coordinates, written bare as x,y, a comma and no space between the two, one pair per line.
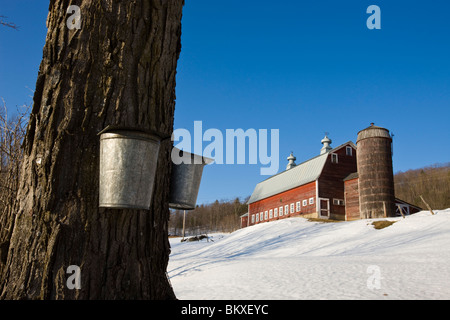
128,161
185,179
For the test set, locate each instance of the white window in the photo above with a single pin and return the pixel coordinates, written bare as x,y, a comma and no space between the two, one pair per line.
270,214
311,200
253,218
281,211
298,206
257,217
286,210
261,216
266,215
334,158
305,203
348,150
338,202
275,212
292,208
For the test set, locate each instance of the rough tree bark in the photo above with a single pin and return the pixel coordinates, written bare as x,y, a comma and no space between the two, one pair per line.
118,69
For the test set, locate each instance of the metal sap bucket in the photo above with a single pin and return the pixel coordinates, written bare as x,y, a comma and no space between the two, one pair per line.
128,160
185,181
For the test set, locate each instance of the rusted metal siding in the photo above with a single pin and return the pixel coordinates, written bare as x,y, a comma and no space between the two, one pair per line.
376,178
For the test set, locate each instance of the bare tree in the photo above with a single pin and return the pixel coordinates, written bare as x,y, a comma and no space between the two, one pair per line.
118,69
432,183
219,216
5,23
12,131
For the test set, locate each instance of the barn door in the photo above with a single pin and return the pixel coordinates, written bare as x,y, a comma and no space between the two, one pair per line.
324,208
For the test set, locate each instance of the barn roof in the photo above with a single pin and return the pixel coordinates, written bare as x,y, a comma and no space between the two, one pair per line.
301,174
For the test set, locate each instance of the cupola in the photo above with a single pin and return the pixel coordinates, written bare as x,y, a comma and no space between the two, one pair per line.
291,160
326,145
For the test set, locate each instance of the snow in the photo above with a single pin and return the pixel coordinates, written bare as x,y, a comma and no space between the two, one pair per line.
298,259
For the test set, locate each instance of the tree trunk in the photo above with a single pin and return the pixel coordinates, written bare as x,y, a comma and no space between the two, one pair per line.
118,69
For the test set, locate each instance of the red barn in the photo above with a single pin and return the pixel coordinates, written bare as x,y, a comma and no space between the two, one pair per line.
328,187
314,188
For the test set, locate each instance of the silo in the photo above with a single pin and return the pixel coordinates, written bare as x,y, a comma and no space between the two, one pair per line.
376,177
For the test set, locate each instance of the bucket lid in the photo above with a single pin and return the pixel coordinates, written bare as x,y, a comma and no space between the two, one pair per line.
122,129
181,206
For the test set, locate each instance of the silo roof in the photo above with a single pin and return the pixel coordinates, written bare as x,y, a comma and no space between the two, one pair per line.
373,131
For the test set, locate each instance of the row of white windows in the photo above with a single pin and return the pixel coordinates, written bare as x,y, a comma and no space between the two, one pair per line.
273,213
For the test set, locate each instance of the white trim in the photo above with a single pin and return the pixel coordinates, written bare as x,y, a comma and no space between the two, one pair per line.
337,158
402,206
328,208
351,151
317,197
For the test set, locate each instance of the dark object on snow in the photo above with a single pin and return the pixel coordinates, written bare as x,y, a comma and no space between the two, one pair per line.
197,238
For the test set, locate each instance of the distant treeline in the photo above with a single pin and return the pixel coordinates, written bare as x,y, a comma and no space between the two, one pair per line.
219,216
432,183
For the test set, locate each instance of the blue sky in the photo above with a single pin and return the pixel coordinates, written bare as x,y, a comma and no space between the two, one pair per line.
303,67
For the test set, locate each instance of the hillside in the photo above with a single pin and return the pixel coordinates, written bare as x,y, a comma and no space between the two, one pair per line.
432,182
299,259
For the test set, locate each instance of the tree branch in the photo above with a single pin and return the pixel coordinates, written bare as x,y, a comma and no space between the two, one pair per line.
8,24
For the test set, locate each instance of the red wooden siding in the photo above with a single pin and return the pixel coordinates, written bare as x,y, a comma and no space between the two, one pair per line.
304,192
351,199
244,221
331,181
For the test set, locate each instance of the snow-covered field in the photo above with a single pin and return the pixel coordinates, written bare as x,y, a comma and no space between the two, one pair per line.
298,259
